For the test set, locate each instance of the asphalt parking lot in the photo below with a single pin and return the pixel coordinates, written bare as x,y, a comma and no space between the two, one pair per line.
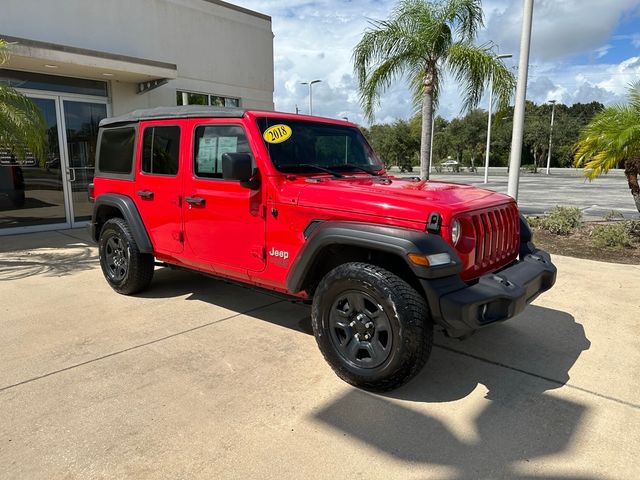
200,379
540,193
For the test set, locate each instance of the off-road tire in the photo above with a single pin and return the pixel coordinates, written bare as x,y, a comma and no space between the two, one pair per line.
406,313
140,266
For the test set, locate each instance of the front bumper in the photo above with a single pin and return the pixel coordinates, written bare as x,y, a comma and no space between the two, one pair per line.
498,296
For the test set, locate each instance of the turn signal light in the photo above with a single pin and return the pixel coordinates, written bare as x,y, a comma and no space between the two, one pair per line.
419,259
430,260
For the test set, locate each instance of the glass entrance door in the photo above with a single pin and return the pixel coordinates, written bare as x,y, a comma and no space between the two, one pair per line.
32,189
81,121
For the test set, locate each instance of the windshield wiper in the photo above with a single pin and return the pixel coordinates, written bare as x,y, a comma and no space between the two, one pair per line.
310,165
375,173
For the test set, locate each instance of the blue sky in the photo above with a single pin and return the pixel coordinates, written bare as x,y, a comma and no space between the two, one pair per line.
582,50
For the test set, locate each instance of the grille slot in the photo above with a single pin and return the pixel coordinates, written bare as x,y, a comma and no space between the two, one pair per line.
497,235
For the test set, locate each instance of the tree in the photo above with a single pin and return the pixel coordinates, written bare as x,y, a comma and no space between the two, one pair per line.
393,142
613,138
22,127
421,40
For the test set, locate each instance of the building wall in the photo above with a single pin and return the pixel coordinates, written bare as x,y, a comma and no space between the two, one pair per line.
217,50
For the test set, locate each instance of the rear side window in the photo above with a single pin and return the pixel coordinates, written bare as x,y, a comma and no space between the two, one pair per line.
212,141
160,150
115,154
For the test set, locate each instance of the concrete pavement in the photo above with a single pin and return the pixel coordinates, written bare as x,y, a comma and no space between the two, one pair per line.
199,379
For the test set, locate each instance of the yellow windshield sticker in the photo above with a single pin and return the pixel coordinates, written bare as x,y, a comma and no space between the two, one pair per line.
277,134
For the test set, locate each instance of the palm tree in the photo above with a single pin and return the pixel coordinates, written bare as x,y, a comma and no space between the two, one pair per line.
22,127
423,40
611,138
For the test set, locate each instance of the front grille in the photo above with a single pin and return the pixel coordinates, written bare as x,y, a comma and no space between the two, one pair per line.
497,234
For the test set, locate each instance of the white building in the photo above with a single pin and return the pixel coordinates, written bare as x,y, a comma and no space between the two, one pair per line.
82,60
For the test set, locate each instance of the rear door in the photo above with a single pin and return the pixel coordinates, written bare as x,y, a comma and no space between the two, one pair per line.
224,223
158,185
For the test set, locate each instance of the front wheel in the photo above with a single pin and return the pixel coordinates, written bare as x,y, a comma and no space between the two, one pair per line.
372,327
126,269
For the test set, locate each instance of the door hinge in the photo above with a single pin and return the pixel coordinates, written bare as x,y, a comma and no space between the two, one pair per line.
181,237
258,252
264,211
179,200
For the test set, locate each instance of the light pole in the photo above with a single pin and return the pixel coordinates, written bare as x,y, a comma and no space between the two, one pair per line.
521,95
433,128
486,157
553,114
311,83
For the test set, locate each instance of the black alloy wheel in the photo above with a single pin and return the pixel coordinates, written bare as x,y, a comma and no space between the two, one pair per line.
371,326
117,258
360,329
126,269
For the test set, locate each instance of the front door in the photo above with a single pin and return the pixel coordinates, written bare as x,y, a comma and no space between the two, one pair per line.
224,226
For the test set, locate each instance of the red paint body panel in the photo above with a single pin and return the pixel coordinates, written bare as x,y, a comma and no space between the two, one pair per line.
234,231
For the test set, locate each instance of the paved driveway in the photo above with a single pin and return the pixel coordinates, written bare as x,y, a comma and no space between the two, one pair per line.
540,193
200,379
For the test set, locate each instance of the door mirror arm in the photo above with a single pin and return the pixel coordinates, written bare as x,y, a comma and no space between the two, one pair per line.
254,182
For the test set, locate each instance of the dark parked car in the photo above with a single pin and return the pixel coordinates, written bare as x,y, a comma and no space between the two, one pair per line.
12,183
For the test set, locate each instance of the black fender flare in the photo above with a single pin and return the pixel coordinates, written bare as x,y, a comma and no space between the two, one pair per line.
394,240
131,215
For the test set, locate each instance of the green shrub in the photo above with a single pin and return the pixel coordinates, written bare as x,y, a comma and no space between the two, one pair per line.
613,215
616,235
534,222
562,220
633,226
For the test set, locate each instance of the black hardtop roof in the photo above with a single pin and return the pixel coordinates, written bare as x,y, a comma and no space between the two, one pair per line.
162,113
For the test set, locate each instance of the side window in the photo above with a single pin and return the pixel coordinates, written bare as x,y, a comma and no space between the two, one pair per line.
160,150
115,152
212,141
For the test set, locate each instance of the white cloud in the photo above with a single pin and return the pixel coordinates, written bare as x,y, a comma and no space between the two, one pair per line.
560,28
315,39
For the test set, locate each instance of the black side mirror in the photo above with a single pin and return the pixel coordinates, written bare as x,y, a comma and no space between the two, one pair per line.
237,166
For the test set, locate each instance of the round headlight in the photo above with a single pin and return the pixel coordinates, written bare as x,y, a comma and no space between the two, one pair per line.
456,230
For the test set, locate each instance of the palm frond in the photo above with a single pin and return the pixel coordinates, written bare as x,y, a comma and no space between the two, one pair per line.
466,16
4,52
22,127
473,67
634,95
611,137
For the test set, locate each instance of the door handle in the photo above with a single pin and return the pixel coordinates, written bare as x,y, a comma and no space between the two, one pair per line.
146,194
72,174
195,201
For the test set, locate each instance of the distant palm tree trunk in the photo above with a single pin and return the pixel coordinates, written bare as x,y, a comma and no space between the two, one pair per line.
427,118
632,170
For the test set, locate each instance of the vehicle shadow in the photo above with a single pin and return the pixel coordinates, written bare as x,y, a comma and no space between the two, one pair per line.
511,365
516,363
50,262
170,283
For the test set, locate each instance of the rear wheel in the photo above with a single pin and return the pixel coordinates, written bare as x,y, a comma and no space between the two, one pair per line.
126,269
17,197
372,327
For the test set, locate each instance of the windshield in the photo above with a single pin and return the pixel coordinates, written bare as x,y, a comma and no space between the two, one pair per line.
313,147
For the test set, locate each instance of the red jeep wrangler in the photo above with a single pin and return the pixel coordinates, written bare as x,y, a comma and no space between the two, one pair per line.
302,206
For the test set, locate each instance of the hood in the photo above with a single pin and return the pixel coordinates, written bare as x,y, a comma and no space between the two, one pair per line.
404,199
